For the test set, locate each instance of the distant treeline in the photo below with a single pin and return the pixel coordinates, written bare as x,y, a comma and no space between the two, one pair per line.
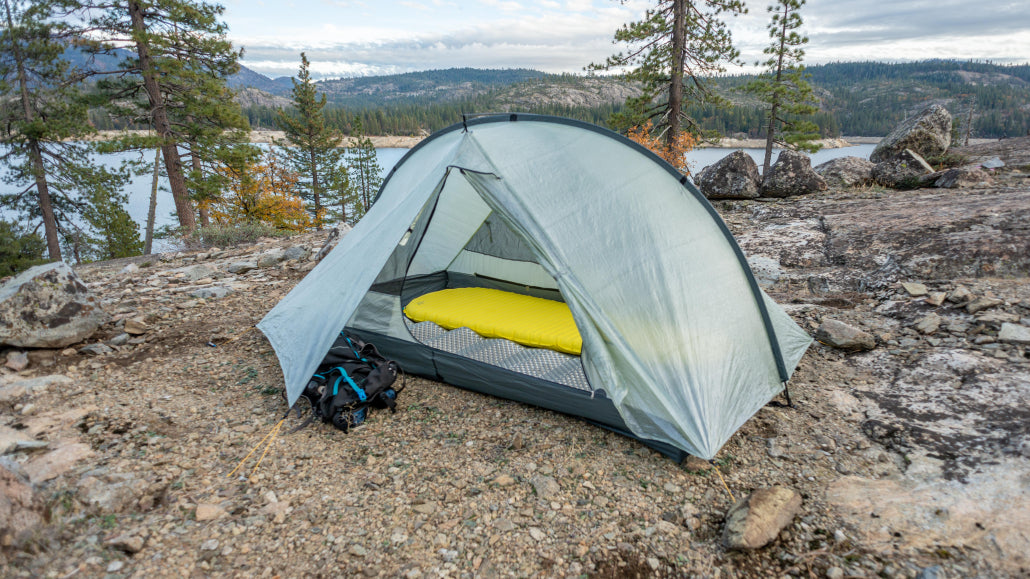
857,98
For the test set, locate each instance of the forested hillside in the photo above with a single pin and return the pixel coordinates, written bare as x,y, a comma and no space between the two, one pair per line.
856,99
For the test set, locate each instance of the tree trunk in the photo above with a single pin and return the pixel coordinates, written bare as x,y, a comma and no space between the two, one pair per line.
53,245
152,213
173,164
315,193
679,17
770,138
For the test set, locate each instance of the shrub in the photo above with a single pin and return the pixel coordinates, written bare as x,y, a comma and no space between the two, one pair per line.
19,250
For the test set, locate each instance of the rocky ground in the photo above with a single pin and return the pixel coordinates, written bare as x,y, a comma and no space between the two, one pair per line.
912,459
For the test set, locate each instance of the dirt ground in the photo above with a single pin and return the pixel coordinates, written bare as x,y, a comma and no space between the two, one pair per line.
913,459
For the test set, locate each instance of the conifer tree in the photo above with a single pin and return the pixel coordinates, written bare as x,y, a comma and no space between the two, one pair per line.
311,147
44,117
782,87
671,51
365,173
175,83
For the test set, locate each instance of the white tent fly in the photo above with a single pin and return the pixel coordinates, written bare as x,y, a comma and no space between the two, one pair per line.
679,344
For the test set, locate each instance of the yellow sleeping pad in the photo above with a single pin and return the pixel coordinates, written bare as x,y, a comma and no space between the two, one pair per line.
533,322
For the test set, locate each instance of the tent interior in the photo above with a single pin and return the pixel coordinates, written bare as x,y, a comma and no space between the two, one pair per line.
457,241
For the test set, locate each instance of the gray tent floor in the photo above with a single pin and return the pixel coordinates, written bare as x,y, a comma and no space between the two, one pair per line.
537,362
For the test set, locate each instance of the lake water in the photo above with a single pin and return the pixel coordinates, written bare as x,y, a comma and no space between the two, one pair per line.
139,187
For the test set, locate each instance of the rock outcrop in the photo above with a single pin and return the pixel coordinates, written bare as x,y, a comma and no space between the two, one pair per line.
846,172
735,176
21,509
791,175
927,133
47,306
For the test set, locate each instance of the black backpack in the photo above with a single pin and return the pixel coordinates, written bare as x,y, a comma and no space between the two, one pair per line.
352,378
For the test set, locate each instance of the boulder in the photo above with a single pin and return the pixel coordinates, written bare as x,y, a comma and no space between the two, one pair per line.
47,306
903,171
756,520
241,266
296,252
735,176
840,335
846,172
270,258
963,177
791,175
21,509
927,133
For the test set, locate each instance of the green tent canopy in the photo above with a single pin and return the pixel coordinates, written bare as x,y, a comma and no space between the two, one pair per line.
680,346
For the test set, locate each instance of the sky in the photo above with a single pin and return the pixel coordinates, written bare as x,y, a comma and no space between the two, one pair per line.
344,38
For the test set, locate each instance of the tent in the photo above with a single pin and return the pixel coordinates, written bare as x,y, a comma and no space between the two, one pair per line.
678,344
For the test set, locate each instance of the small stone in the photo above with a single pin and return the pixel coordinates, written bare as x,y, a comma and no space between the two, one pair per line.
935,298
504,525
16,360
357,551
536,533
504,480
115,566
425,508
131,268
213,292
671,488
696,464
774,448
653,563
835,573
545,486
928,324
136,326
131,544
96,349
68,352
209,512
980,304
209,545
119,340
757,519
516,442
398,537
914,289
1016,333
840,335
960,295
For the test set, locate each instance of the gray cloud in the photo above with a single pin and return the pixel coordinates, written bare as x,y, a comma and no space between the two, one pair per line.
838,30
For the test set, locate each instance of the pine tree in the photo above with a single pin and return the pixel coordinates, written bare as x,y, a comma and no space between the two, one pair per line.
672,50
365,172
175,83
44,117
311,147
782,87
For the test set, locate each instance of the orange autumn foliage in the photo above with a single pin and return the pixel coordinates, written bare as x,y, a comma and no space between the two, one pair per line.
264,193
675,153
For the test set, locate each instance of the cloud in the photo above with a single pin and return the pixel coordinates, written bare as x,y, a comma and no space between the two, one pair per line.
566,35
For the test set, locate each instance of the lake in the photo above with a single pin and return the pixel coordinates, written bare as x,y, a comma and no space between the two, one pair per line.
139,187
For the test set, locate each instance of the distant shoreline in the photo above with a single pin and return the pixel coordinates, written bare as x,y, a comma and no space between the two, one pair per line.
402,142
